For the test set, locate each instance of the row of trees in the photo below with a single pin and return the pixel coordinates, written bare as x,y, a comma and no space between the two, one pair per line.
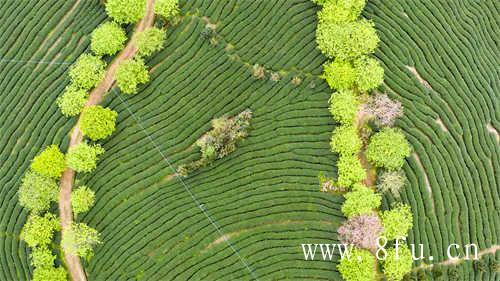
348,42
39,188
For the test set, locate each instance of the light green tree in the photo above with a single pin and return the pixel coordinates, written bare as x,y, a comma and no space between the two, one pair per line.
340,74
345,140
130,73
107,39
361,200
388,148
50,162
126,11
83,157
98,122
347,40
370,73
41,256
149,41
167,8
72,101
359,266
397,265
39,230
82,199
87,71
350,170
49,273
397,221
344,106
80,240
37,192
341,11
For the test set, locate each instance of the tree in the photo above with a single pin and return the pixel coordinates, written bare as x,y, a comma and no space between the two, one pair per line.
361,231
98,122
50,162
344,106
82,199
126,11
130,73
340,74
87,71
39,230
345,140
41,256
37,192
350,170
347,40
79,240
83,157
391,181
107,39
49,273
72,101
361,200
383,109
149,41
388,148
397,222
359,266
397,263
370,73
341,11
167,8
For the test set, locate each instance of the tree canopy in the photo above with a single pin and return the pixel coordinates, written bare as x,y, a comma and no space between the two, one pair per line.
341,11
358,269
395,268
83,157
344,106
361,200
370,73
87,71
82,199
350,170
345,140
126,11
149,41
388,148
72,101
397,221
49,273
50,162
167,8
80,240
107,39
37,192
130,73
39,230
41,256
98,122
340,74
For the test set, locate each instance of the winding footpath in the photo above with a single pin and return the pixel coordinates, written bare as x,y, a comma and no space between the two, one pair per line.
73,263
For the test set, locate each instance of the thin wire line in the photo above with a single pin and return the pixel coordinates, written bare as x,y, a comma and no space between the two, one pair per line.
33,61
201,206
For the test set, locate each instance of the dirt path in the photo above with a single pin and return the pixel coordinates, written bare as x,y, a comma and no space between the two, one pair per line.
371,176
66,183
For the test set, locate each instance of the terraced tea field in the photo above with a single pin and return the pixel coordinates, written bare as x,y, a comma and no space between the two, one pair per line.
245,216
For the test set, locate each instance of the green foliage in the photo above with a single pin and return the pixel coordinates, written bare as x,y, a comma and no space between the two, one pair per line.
344,106
354,269
220,141
341,11
370,73
107,39
41,256
395,267
82,199
361,200
87,71
98,122
49,273
72,101
130,73
37,192
340,74
391,181
126,11
388,148
149,41
397,222
39,230
350,170
345,140
348,40
50,162
80,239
167,8
83,157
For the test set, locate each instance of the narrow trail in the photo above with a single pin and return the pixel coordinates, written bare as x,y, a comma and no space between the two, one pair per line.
73,262
371,176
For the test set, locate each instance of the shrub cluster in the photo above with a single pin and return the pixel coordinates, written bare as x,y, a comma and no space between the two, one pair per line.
98,122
